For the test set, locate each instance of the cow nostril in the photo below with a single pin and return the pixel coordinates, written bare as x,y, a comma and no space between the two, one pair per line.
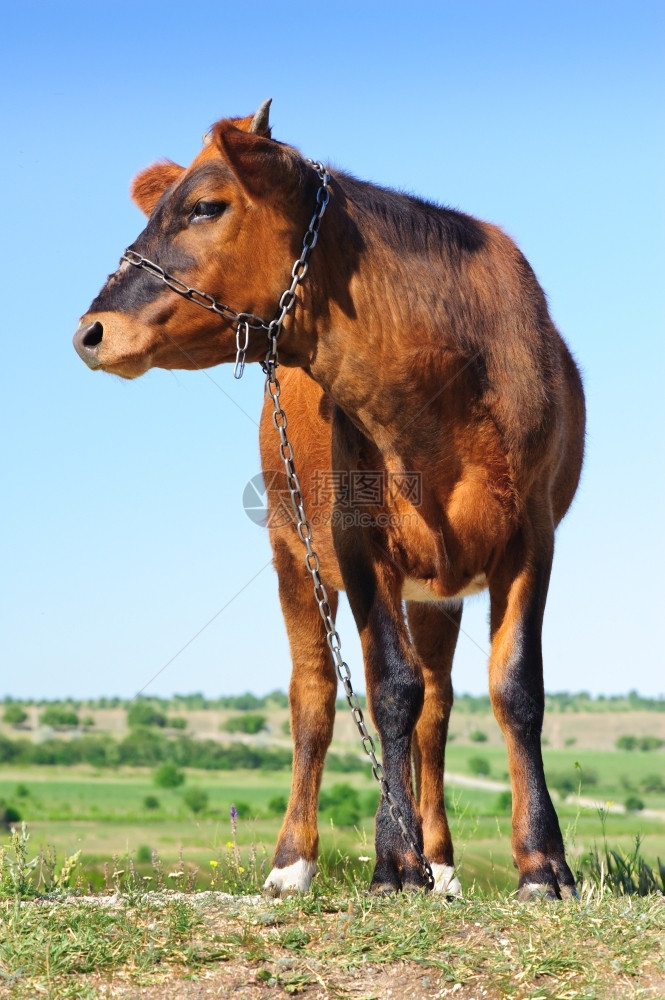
93,335
87,339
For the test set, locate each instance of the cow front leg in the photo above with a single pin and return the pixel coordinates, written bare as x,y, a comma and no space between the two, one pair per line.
518,590
434,629
395,689
312,695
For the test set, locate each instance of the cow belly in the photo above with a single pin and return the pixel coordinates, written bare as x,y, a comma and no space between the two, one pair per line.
417,590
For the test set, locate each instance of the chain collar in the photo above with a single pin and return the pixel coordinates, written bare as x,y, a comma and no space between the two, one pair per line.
244,322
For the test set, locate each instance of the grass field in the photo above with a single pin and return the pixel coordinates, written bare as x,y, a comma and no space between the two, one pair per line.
104,815
158,934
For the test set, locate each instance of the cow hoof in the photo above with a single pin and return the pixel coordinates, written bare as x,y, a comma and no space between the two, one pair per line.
446,881
531,891
294,878
383,889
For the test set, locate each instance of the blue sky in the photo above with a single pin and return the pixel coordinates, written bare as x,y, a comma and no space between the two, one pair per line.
123,531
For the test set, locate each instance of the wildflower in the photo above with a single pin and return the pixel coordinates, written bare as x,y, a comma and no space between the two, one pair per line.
362,857
233,812
175,874
230,844
213,864
240,869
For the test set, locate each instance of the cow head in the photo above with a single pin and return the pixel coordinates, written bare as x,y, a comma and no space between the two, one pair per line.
230,224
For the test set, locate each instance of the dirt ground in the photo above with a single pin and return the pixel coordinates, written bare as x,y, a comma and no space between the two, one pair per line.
386,982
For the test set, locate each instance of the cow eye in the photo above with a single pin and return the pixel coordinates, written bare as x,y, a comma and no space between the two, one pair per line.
207,210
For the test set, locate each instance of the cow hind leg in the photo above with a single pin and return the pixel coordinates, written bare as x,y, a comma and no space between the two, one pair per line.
312,699
434,629
517,598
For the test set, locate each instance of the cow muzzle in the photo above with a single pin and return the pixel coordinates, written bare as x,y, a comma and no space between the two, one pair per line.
87,339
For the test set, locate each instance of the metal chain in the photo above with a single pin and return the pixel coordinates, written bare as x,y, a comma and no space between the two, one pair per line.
244,323
304,528
312,563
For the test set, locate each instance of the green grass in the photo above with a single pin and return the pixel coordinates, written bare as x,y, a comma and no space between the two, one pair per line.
352,943
104,816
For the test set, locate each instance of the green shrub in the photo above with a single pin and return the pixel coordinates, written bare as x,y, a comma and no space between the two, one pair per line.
8,814
654,784
251,723
478,736
650,743
370,802
196,799
177,723
277,805
244,810
626,743
286,727
634,803
504,803
142,713
168,775
59,716
143,854
346,762
151,802
341,804
15,714
479,766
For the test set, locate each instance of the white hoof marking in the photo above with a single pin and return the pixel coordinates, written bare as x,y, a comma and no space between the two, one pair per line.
294,878
445,880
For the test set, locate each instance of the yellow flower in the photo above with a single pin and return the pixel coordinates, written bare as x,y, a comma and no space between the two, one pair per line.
229,843
240,869
214,864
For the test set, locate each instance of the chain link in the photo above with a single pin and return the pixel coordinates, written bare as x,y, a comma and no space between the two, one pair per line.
244,323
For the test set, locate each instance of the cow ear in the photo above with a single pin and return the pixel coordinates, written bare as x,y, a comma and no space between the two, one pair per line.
150,184
261,165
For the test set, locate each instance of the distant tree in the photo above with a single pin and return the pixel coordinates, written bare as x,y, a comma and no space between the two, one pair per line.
650,743
168,775
626,742
244,810
142,713
341,804
654,784
277,698
248,723
15,714
59,716
504,803
478,736
634,803
479,765
8,815
151,802
277,804
196,799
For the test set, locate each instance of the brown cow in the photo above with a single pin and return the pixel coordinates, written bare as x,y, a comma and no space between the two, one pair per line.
421,345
